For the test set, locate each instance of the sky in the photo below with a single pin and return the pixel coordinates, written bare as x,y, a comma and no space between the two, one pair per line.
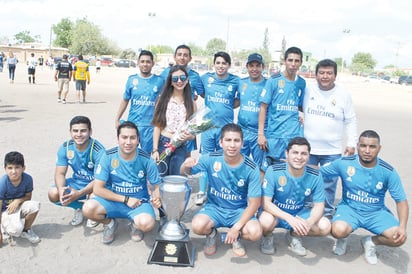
327,29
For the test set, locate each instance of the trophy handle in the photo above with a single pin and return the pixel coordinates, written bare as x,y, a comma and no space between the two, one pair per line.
162,167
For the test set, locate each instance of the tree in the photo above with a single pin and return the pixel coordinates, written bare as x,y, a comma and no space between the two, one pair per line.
129,54
364,59
64,32
214,45
25,37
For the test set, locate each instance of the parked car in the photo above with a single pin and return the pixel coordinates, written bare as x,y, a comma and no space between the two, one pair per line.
106,61
405,80
124,63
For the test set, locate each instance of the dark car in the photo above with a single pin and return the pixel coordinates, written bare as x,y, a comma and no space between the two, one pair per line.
405,80
123,63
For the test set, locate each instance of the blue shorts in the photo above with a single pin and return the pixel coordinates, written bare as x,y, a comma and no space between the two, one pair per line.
120,210
276,151
80,84
375,221
251,146
209,141
304,213
222,217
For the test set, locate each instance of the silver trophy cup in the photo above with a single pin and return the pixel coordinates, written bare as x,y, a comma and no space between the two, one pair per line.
173,246
175,194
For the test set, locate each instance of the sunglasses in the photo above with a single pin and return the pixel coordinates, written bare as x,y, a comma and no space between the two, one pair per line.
182,78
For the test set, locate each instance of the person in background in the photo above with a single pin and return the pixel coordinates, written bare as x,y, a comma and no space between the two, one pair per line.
12,62
31,68
63,75
81,76
98,65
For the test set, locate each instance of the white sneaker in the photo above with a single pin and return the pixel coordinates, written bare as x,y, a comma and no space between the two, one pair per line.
91,223
200,198
339,248
295,245
136,234
31,236
370,250
77,218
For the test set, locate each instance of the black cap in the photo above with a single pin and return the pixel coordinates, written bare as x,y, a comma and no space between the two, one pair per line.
255,57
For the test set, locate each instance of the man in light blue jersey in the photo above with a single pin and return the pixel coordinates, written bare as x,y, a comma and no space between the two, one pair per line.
286,186
182,57
142,90
81,153
221,96
121,187
250,89
281,100
234,193
365,180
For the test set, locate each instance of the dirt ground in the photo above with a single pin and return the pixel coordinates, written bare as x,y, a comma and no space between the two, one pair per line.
33,123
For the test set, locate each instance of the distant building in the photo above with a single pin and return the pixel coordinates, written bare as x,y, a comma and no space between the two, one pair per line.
23,51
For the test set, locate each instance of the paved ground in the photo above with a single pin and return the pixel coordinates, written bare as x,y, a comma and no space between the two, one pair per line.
32,122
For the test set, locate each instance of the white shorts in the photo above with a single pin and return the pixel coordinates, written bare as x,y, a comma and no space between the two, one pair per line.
13,224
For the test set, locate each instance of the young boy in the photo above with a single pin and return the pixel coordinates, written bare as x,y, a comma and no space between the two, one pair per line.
18,211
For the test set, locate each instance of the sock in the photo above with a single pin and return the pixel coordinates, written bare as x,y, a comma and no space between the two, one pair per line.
111,224
202,182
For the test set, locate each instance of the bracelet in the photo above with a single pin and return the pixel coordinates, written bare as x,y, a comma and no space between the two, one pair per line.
154,150
126,199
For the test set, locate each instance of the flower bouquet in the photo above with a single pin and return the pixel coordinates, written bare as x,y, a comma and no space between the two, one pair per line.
199,122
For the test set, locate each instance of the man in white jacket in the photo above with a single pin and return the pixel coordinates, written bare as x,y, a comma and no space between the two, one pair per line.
329,119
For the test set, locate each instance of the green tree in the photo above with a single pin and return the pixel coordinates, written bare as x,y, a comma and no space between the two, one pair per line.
129,54
214,45
364,59
25,37
63,31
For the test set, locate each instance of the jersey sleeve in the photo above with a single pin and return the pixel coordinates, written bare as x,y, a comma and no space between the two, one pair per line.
62,156
268,186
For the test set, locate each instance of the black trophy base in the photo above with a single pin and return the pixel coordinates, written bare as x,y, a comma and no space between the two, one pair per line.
173,253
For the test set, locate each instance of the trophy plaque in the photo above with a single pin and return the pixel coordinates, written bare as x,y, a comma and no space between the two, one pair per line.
173,246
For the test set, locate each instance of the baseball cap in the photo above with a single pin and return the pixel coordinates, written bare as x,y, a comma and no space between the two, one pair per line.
255,57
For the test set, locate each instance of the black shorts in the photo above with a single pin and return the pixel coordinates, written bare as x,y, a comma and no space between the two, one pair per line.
31,71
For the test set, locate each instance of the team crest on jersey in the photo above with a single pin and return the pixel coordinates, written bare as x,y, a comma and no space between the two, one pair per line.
244,87
263,93
350,171
307,192
115,163
70,154
379,185
281,84
241,183
230,88
98,169
210,81
282,181
135,82
155,89
217,166
265,183
333,102
140,174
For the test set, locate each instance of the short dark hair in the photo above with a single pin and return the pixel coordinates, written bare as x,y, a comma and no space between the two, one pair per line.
80,57
300,141
369,133
295,50
81,120
127,124
14,158
224,55
231,127
146,52
184,47
327,63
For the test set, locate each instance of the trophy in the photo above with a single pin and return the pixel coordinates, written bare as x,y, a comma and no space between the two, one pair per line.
173,246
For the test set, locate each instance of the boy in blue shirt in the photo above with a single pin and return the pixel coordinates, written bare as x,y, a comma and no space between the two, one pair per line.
18,211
